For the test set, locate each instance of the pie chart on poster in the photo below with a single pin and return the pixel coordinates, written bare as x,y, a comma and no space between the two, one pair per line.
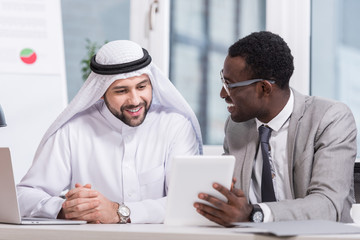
28,56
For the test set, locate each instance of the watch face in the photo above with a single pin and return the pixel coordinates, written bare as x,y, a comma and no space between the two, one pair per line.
257,217
124,211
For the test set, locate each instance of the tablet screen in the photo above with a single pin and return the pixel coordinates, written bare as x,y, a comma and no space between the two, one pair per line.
189,176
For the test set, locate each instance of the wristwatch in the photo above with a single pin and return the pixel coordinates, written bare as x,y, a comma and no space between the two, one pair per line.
256,214
123,213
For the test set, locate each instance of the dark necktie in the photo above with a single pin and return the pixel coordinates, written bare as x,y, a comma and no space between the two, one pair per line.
267,188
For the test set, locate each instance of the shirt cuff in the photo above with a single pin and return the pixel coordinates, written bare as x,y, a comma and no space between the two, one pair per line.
138,212
49,209
268,217
147,211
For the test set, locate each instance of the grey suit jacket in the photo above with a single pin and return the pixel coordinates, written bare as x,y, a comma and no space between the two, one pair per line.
321,148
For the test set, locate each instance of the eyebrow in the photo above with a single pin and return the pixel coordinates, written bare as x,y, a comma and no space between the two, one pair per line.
227,79
144,81
124,87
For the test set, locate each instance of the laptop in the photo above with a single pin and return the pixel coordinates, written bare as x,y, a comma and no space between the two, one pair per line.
189,176
9,206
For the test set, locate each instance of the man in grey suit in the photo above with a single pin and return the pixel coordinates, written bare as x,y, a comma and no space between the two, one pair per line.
307,166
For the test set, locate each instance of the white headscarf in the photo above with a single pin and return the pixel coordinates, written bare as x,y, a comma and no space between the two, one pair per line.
118,52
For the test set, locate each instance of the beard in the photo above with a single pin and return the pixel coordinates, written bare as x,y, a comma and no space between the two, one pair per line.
132,121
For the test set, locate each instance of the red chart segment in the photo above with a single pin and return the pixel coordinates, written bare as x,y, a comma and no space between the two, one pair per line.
28,56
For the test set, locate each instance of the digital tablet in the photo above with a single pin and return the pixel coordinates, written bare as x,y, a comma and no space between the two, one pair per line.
189,176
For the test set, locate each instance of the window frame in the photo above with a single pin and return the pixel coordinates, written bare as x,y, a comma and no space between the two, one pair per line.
289,19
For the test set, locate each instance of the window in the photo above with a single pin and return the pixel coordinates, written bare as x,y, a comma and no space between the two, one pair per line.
96,21
200,34
335,54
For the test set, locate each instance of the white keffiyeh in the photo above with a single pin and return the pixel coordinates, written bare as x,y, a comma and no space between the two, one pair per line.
118,52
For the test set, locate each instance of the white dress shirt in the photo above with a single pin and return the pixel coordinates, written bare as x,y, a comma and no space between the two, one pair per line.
125,164
278,160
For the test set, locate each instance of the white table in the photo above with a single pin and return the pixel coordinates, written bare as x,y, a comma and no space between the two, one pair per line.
137,232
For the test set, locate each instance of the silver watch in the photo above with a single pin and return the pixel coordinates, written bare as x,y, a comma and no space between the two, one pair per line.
124,213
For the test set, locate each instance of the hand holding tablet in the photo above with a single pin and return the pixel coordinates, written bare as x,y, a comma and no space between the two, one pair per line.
191,175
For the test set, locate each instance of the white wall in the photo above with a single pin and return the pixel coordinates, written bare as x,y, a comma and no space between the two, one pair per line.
291,20
149,27
31,95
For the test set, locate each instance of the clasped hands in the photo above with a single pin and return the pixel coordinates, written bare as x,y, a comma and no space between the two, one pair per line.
84,203
236,209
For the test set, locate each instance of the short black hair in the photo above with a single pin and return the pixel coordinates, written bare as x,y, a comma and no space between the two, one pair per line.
267,56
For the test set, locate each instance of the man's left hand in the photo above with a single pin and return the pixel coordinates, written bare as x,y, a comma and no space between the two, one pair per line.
237,209
84,203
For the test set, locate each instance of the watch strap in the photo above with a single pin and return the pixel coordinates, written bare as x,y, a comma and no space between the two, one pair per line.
122,219
257,214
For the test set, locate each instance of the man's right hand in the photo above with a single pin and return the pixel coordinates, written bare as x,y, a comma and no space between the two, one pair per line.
79,202
84,203
235,209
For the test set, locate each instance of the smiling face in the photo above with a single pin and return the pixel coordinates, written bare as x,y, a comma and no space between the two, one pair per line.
129,99
244,103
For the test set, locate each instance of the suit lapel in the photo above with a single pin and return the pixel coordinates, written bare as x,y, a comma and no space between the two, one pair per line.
249,156
298,112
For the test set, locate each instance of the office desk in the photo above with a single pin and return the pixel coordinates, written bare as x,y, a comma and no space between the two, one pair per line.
137,232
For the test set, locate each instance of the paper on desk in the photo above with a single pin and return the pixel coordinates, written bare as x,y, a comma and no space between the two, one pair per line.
293,228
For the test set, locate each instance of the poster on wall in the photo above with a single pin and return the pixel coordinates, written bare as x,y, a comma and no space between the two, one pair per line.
32,75
29,37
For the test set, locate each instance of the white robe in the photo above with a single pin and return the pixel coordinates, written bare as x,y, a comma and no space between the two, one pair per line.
125,164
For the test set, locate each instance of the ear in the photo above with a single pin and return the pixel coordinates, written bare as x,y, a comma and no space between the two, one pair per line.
266,87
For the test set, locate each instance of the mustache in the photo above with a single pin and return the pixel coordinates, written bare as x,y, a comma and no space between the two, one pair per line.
124,107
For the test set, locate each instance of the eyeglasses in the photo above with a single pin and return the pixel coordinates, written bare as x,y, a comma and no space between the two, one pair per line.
228,86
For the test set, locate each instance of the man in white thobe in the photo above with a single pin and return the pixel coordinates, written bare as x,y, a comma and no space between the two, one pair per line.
113,145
